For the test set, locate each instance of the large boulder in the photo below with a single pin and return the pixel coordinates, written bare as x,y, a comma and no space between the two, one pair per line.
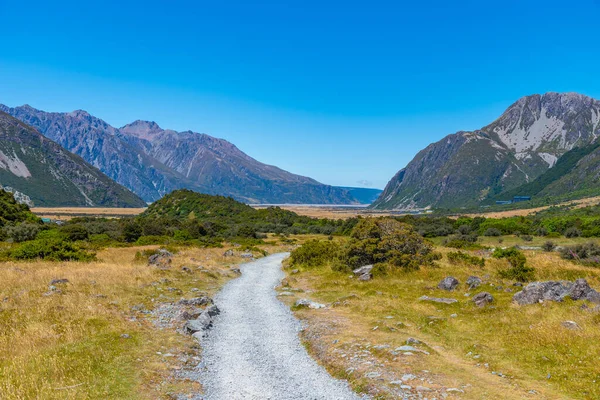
162,259
203,323
449,283
364,272
482,299
556,291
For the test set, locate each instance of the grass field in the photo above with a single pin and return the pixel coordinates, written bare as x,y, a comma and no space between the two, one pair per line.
501,351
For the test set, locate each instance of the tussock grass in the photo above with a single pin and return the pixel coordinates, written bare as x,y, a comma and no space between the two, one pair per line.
526,343
68,345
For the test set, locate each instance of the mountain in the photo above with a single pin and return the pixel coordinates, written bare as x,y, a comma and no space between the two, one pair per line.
466,168
41,171
363,195
218,167
152,161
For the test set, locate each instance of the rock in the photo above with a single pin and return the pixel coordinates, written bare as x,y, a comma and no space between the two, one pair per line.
228,253
423,389
571,325
363,270
212,310
307,303
482,299
60,281
162,259
473,282
191,314
411,340
186,270
372,375
247,255
125,336
235,270
203,322
196,301
365,277
438,300
406,348
285,294
453,315
448,283
294,271
408,377
556,291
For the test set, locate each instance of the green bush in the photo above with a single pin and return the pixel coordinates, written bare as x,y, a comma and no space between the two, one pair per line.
572,233
588,253
314,253
75,232
518,270
50,249
492,232
386,240
548,246
463,258
527,238
148,240
22,232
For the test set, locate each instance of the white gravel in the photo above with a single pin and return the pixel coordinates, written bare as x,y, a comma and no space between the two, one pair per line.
253,350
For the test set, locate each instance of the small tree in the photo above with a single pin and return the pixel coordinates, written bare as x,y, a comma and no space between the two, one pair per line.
22,232
572,232
518,270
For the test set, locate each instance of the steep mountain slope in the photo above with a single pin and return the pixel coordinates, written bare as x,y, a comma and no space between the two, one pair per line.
51,176
218,167
466,168
152,162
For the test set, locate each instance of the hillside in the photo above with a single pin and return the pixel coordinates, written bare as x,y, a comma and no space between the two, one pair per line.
48,175
152,161
12,211
467,168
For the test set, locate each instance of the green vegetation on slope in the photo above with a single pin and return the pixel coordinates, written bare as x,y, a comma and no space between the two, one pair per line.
12,212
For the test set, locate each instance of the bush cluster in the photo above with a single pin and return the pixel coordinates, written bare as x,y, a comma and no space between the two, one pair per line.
463,258
517,260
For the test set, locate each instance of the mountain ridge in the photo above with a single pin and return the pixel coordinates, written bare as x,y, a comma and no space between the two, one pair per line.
152,161
468,167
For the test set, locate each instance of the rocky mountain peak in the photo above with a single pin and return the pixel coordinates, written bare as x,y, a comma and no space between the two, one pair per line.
141,129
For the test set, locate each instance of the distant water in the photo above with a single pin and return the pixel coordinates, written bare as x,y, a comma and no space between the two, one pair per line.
313,205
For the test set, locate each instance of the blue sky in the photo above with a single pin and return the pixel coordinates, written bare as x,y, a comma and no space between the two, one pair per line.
344,92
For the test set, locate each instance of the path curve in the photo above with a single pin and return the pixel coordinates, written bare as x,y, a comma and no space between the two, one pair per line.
253,350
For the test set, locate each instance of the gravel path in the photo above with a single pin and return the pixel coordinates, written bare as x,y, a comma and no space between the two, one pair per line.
253,350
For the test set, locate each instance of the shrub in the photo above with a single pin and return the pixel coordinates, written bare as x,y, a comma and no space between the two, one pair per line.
548,246
527,238
572,232
464,229
460,257
465,242
553,235
386,240
50,249
492,232
74,232
314,253
132,232
148,240
22,232
518,270
588,253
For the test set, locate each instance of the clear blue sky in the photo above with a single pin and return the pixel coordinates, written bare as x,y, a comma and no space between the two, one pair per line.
344,92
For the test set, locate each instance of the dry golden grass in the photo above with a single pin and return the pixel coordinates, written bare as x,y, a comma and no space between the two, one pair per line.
590,201
66,213
526,343
69,345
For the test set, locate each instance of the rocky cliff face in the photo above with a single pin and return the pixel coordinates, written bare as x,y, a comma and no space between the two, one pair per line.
45,174
468,167
152,161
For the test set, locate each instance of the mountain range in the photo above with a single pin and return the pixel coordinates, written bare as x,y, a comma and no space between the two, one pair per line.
151,161
39,171
542,146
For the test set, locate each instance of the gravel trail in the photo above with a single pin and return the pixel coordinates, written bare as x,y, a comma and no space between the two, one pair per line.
253,350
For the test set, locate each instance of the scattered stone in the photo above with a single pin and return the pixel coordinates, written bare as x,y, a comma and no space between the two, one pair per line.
162,259
310,304
285,294
536,292
571,325
294,271
438,300
411,340
449,283
518,284
372,375
235,270
125,336
229,253
482,299
453,315
405,387
473,282
365,277
364,273
186,270
203,322
408,377
454,390
196,301
247,255
423,389
60,281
